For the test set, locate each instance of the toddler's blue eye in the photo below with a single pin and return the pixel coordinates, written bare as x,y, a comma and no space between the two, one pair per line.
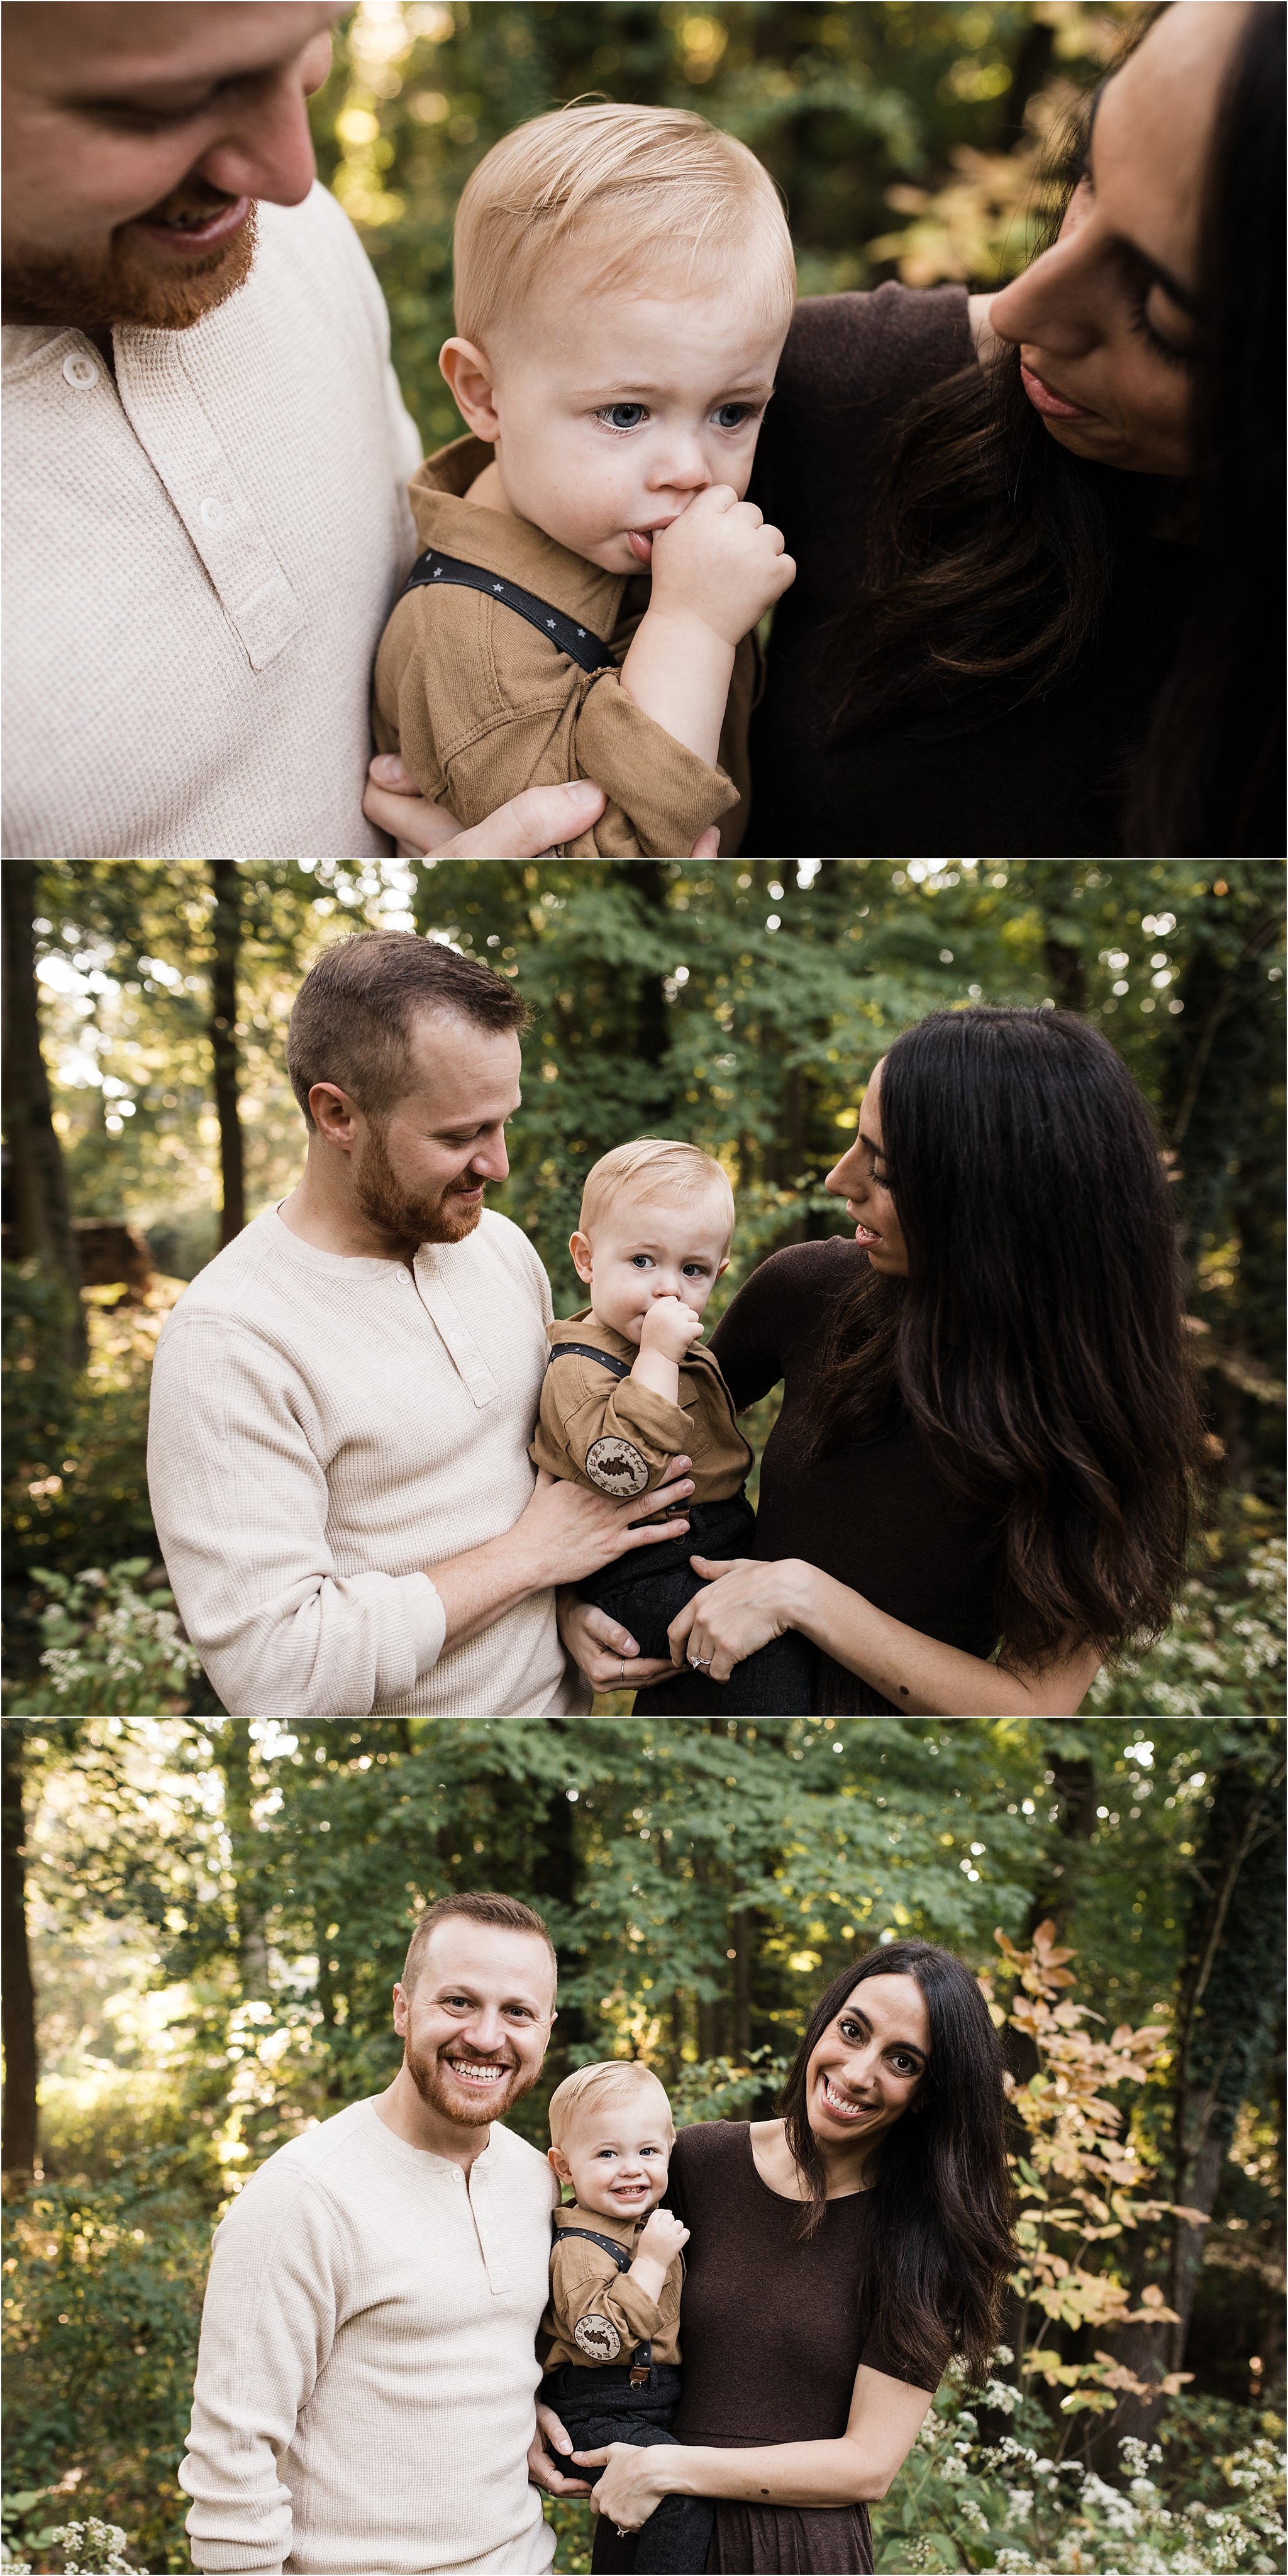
732,415
623,415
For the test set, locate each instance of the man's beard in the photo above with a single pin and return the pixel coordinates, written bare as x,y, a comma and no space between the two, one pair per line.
423,2069
406,1215
124,285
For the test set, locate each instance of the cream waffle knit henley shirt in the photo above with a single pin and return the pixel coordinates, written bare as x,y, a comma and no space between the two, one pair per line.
201,549
321,1430
366,2379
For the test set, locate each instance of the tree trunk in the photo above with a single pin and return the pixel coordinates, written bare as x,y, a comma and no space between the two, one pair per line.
223,1038
233,1756
740,1935
1229,1994
41,1205
18,2152
653,1036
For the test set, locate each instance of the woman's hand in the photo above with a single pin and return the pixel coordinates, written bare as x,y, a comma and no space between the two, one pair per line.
532,826
745,1604
633,2484
605,1651
541,2468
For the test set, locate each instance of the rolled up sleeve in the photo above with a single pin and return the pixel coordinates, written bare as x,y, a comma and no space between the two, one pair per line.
582,2286
239,1498
663,792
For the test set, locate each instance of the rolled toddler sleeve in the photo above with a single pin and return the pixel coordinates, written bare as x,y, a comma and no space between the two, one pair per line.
610,2308
613,1433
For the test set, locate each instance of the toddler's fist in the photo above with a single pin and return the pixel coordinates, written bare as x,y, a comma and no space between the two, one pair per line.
663,2237
669,1327
720,562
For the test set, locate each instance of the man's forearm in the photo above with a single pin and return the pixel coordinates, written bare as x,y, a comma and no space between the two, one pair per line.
479,1587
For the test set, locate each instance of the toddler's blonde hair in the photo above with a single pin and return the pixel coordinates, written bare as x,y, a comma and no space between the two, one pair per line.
654,1167
632,191
607,2081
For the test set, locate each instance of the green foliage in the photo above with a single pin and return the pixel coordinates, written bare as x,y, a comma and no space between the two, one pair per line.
101,2308
107,1650
845,106
1223,1655
972,2498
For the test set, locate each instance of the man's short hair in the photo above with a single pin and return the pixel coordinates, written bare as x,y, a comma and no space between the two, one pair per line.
354,1013
636,193
655,1167
504,1911
608,2081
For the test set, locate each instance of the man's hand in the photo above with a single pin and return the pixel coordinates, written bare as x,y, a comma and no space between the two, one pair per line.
541,2468
670,1327
719,564
605,1651
531,826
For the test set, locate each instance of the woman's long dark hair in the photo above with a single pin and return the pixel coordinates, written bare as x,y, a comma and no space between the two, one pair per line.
995,548
1037,1341
942,2205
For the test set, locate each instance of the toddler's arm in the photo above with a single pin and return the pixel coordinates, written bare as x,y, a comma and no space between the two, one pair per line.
716,569
661,2239
668,1330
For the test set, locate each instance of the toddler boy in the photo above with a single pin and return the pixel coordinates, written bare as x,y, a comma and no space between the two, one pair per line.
612,2326
627,1389
591,579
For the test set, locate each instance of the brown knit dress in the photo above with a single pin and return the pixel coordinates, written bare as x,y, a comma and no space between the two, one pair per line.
772,2332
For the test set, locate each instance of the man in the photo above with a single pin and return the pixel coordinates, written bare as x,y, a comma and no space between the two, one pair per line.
367,2371
206,449
342,1401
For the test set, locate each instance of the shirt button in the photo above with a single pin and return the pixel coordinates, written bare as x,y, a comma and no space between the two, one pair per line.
80,370
216,513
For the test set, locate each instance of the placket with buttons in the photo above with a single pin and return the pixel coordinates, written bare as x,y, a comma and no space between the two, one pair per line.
172,426
463,1351
488,2231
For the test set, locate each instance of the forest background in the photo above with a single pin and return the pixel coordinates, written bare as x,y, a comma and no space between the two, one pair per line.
203,1922
149,1115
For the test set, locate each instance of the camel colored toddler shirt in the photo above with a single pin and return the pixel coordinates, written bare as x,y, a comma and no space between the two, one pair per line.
480,704
597,1428
597,2314
367,2373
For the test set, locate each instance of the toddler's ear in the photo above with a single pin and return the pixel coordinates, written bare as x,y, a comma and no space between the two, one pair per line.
467,372
582,1250
558,2164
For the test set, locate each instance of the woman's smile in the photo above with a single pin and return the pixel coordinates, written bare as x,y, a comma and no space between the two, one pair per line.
839,2106
1044,398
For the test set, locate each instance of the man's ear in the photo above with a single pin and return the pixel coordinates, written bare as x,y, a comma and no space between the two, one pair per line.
332,1113
402,2006
467,373
582,1250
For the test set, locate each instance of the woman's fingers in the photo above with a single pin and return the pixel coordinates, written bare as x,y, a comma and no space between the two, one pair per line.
677,1635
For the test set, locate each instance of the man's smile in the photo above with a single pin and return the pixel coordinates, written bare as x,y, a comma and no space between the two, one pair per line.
480,2074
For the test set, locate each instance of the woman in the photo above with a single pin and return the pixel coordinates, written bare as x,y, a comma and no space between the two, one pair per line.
837,2258
1039,596
1038,603
988,1440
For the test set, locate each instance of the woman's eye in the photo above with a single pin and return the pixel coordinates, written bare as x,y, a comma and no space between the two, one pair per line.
622,415
732,415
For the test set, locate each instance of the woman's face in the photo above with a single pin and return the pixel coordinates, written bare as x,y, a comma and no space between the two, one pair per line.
866,2068
862,1180
1105,319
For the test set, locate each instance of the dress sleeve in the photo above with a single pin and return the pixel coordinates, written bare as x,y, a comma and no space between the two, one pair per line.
748,1340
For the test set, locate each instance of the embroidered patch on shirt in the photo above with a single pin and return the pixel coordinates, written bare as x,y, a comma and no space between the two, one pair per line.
617,1467
598,2337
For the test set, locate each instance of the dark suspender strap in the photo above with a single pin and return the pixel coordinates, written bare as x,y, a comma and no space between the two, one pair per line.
620,1368
643,2361
581,647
